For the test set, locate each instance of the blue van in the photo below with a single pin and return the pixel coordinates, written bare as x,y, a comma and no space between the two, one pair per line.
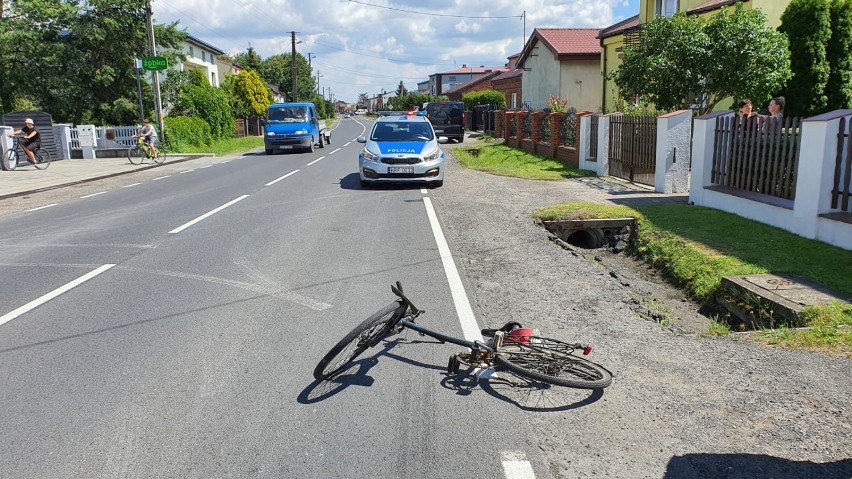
292,126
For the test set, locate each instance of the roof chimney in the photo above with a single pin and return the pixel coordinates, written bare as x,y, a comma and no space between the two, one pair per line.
464,65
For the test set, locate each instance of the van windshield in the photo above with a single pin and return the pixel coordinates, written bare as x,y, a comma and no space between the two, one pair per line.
403,131
287,114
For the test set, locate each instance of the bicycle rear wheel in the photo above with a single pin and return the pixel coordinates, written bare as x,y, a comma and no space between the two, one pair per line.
135,155
365,335
551,361
42,160
10,160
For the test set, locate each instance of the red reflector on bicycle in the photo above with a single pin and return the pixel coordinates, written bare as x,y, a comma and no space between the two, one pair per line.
587,351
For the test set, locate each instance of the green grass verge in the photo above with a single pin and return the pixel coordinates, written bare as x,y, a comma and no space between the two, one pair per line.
697,246
223,147
504,161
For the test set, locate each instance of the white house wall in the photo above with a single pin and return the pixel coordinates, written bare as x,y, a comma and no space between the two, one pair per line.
581,84
540,78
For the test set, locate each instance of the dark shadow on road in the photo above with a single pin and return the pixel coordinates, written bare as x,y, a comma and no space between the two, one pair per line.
753,466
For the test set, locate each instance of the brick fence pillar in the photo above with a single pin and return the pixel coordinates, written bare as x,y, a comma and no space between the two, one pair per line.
519,129
556,121
499,124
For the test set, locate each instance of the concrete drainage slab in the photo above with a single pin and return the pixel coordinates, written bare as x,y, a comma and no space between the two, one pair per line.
789,295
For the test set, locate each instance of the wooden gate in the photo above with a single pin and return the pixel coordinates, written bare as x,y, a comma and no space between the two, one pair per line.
633,148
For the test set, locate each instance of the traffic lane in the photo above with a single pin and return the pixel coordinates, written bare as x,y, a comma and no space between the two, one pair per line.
112,228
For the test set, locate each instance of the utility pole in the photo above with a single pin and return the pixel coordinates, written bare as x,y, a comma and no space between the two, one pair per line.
295,94
152,48
318,77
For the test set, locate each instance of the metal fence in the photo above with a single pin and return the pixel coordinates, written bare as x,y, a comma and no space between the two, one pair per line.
593,137
843,168
122,135
759,155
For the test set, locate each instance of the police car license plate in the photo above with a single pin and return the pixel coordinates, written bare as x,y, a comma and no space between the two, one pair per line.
400,169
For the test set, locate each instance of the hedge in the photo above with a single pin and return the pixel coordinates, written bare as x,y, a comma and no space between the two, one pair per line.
187,130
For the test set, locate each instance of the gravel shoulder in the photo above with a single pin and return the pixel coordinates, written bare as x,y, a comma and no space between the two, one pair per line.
681,405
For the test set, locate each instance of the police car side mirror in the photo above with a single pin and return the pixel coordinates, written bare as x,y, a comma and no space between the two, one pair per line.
361,139
443,139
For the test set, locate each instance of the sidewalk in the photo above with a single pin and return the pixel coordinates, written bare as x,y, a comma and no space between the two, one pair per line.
26,179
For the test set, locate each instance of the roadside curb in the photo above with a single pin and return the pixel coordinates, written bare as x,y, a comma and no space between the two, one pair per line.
87,180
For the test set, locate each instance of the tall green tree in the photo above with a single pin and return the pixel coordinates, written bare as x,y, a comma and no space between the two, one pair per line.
685,60
76,59
807,24
839,54
248,60
276,70
401,90
249,95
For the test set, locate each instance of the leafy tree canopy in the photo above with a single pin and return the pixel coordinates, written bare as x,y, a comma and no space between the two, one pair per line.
685,60
76,60
808,26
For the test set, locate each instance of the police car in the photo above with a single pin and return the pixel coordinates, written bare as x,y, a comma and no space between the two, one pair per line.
401,148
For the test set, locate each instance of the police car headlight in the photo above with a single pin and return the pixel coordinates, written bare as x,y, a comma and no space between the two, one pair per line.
301,132
433,156
369,156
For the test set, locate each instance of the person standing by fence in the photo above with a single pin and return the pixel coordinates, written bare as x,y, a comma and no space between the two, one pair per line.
776,108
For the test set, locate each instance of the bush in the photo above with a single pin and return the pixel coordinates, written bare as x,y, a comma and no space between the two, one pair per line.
187,130
484,97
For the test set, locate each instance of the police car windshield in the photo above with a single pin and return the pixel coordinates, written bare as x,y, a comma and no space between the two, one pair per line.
402,131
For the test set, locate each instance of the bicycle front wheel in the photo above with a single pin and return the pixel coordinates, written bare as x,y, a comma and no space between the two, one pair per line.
42,159
550,361
365,335
161,154
135,155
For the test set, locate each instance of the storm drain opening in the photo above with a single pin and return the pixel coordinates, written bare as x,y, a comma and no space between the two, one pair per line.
615,233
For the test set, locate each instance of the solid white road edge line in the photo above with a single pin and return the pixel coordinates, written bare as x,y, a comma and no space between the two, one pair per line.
311,163
56,292
42,207
516,466
205,215
281,178
470,328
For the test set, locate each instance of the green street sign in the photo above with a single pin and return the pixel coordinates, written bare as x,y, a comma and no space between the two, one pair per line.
155,63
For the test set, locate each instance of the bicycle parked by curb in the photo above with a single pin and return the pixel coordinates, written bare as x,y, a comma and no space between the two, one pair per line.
512,348
11,159
141,150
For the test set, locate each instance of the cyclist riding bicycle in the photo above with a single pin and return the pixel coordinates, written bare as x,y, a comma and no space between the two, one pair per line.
30,140
149,135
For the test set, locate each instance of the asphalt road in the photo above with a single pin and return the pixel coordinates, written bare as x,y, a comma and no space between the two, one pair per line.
168,325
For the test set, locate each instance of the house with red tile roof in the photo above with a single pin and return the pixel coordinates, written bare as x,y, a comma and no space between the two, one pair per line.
477,84
563,62
440,83
615,38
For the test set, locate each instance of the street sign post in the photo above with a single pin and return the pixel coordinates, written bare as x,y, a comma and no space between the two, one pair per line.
155,63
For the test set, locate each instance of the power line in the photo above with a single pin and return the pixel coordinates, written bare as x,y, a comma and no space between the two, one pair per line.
431,14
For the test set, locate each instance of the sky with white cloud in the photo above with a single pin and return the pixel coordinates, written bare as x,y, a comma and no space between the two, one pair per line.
367,46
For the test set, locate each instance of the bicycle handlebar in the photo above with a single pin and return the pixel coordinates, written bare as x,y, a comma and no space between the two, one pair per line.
397,290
